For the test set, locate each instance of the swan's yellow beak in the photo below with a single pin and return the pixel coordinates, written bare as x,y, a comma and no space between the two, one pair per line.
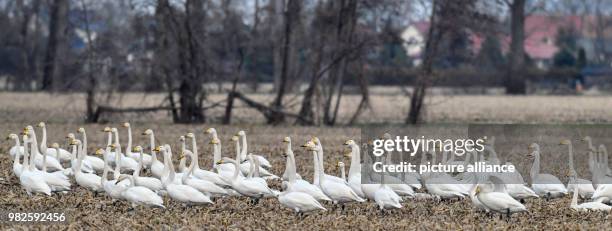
208,131
347,142
182,155
106,129
284,154
214,141
235,138
41,124
126,124
220,161
477,190
99,151
286,140
157,149
73,142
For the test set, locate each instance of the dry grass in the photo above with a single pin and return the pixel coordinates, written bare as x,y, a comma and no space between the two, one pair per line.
64,113
89,212
26,107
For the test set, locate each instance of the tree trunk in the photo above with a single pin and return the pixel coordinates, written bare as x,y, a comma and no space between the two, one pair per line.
423,81
54,57
306,113
291,15
515,83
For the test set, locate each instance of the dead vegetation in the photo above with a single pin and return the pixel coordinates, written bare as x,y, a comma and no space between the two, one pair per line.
89,212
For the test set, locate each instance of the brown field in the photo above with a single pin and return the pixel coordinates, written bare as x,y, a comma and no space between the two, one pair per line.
63,114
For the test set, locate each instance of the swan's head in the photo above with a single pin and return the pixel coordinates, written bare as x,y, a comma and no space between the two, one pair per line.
387,136
234,138
602,148
477,190
75,142
225,160
113,129
531,154
287,139
182,138
112,146
533,147
190,135
12,136
137,149
315,140
182,155
81,130
27,130
158,148
41,125
310,146
586,138
126,125
106,129
211,131
122,177
55,145
147,132
565,142
215,141
340,164
70,136
99,151
349,142
241,133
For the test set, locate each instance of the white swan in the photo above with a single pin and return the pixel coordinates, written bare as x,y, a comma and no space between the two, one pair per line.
584,187
57,180
264,162
339,192
385,197
247,187
17,148
89,181
179,192
63,155
318,147
157,167
245,166
587,206
85,166
139,195
96,163
52,163
126,163
17,155
208,188
354,175
147,159
497,200
32,181
289,163
299,202
443,185
544,184
112,188
147,182
200,173
177,178
293,184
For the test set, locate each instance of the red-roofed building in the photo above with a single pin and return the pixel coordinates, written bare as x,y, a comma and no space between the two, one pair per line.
540,30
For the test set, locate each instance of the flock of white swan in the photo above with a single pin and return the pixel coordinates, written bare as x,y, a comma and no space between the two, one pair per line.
41,170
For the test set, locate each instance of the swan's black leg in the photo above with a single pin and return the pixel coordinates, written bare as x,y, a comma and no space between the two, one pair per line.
342,208
508,213
548,196
522,201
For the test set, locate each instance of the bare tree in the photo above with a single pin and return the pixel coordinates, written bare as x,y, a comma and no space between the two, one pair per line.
56,47
514,81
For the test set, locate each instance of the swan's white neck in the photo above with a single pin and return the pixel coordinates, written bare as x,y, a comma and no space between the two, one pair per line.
243,152
152,143
109,139
189,170
26,156
571,159
355,167
238,154
291,168
34,144
84,146
196,158
535,168
216,154
43,142
342,173
575,198
321,168
17,157
128,148
315,157
140,164
105,170
117,171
